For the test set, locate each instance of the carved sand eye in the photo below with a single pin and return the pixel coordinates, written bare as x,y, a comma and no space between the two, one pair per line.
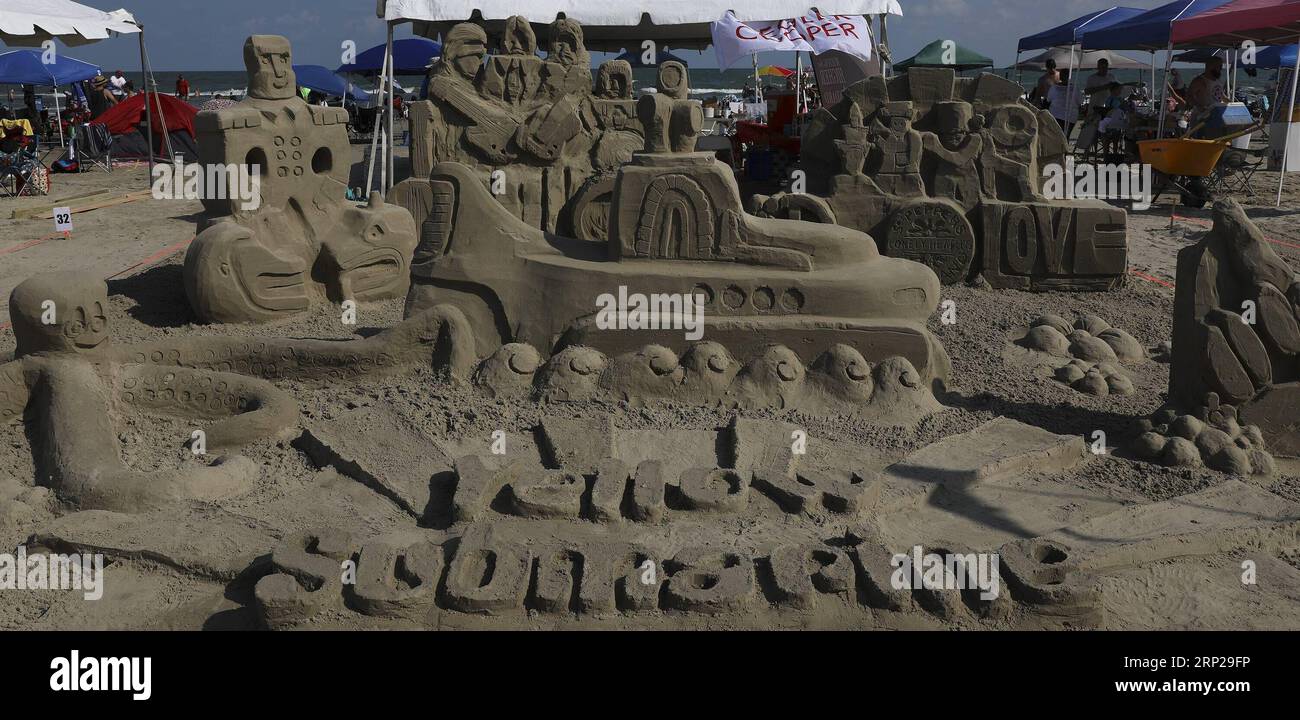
76,328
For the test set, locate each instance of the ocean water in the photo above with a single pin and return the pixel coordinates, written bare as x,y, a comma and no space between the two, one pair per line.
705,82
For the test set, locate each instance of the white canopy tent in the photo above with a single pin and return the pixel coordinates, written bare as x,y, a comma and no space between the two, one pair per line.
609,26
32,22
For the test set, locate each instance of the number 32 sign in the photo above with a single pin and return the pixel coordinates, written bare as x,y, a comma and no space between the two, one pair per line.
63,220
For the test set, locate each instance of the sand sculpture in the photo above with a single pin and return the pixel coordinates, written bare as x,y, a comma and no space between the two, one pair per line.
947,171
301,240
540,122
1095,353
840,380
677,229
1236,333
72,381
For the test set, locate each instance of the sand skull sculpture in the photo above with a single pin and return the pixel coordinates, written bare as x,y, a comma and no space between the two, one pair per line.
69,381
300,240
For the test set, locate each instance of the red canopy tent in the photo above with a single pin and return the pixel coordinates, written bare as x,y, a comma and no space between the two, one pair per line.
1263,22
124,119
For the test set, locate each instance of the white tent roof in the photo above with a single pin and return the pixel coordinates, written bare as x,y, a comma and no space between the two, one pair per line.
31,22
611,25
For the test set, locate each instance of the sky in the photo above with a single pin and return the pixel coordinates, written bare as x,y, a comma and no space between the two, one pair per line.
209,35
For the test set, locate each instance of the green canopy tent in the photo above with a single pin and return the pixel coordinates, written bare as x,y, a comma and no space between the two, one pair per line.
945,53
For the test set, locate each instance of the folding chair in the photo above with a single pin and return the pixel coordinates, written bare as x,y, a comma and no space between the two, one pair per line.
22,174
1235,171
95,146
21,171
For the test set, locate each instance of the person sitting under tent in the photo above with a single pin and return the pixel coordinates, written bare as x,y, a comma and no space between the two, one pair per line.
99,97
1114,120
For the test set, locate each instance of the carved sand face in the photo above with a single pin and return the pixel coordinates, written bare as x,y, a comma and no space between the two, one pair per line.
567,43
673,80
60,312
954,124
465,49
87,327
269,61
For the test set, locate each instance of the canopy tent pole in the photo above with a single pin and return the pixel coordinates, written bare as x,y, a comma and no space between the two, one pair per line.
1069,87
58,115
374,135
1290,118
148,109
886,68
1020,72
798,84
1153,74
1164,90
149,83
389,110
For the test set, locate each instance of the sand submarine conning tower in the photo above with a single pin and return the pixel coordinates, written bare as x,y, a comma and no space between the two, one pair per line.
676,226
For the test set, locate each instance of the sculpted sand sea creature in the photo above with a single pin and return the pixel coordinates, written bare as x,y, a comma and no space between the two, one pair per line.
69,381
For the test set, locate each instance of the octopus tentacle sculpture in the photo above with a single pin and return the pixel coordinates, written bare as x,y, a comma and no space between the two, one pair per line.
68,379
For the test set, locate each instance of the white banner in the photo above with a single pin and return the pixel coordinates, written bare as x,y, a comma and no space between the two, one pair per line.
814,32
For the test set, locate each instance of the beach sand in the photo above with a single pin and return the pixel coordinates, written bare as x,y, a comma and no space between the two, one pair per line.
139,246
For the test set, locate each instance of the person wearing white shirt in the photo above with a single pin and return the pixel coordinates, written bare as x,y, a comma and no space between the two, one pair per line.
1064,100
118,82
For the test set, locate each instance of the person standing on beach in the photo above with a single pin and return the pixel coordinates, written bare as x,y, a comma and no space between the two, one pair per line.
1064,103
1098,88
118,85
182,87
1051,77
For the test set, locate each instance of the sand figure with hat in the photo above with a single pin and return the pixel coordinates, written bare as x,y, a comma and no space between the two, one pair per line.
534,126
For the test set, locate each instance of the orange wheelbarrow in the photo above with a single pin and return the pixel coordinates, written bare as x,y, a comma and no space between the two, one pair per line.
1185,163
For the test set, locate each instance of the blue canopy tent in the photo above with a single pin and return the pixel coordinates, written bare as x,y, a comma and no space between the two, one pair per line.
28,67
411,56
25,67
1069,34
1151,31
322,79
634,59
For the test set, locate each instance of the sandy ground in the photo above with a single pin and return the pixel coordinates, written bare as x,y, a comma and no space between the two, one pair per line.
139,248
